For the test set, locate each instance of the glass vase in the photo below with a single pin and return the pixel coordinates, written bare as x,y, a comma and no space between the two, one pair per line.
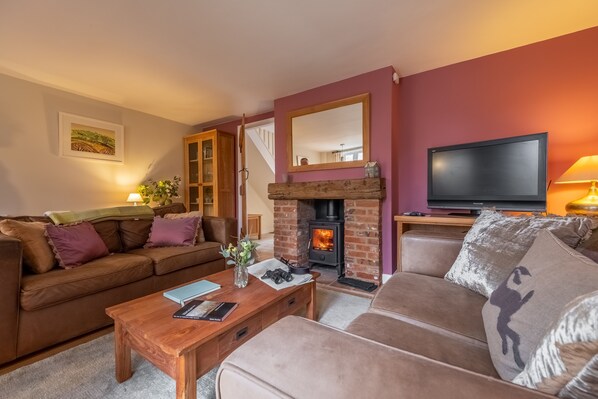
241,276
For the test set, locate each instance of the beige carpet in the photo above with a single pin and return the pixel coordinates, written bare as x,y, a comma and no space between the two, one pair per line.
87,371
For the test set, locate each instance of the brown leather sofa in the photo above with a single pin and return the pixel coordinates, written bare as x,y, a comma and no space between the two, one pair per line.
41,310
423,337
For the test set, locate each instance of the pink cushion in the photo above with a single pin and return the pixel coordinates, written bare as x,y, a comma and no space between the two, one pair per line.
173,232
75,244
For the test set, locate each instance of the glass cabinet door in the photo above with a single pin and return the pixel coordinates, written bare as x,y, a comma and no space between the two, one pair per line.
193,172
208,200
194,199
207,177
207,164
192,150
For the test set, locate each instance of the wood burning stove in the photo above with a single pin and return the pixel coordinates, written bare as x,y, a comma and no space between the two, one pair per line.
326,235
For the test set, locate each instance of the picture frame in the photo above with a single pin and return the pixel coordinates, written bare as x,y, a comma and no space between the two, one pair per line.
82,137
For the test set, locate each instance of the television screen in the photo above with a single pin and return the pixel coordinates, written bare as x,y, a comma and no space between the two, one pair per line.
508,174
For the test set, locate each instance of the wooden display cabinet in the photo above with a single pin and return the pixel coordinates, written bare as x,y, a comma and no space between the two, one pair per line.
210,173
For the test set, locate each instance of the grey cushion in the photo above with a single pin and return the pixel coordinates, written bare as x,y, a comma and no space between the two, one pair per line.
565,350
496,243
521,310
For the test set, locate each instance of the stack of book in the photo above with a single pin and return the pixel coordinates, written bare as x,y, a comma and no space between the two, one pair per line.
196,309
190,291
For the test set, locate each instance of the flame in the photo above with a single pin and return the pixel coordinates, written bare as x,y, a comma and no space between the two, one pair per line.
323,239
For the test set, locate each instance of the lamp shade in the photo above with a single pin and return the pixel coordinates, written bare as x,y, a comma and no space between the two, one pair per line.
134,197
585,170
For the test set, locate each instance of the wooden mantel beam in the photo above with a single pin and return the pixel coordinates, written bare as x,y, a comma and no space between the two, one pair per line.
367,188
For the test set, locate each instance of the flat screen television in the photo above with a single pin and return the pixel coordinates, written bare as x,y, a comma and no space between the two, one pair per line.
507,174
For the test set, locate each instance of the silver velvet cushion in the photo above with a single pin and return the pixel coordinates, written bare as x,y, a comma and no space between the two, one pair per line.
585,383
496,243
522,309
565,361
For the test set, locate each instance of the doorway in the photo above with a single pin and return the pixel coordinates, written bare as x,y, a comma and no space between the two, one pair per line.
259,172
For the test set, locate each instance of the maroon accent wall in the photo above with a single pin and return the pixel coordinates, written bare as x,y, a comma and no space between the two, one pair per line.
547,86
383,137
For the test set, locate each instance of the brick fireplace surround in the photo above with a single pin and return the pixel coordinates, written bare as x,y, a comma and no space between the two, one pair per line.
294,208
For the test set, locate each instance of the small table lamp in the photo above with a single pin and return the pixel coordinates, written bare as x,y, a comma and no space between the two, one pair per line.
134,198
585,170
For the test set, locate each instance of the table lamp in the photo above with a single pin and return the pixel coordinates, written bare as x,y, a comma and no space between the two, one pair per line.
585,170
134,198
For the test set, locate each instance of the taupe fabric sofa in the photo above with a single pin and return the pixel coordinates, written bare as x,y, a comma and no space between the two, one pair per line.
40,310
423,337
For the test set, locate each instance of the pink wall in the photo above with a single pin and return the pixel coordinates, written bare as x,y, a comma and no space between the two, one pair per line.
383,116
548,86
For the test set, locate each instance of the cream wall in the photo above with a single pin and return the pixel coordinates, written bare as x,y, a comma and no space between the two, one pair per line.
34,178
260,175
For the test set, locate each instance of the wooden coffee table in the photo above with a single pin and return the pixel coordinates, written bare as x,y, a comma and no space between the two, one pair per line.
187,349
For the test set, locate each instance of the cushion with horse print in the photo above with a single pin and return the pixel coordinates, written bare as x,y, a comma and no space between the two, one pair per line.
496,243
524,306
565,362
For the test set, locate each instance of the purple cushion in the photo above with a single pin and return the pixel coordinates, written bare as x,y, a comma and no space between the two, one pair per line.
75,244
173,232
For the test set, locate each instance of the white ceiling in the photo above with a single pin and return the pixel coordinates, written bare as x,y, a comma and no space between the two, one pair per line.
195,61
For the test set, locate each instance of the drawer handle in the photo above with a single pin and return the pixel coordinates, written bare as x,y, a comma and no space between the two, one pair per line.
291,301
241,333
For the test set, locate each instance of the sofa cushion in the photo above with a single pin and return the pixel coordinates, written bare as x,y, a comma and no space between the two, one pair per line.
299,358
75,244
521,310
37,253
431,344
134,233
561,359
108,232
173,232
169,259
433,303
430,252
61,285
496,243
200,237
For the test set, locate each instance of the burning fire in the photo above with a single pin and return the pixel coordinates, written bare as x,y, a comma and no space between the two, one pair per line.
323,239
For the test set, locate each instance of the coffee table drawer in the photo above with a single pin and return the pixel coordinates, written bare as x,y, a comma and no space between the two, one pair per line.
238,335
293,302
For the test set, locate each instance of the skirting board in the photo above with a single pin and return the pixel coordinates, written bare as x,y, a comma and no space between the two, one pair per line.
385,277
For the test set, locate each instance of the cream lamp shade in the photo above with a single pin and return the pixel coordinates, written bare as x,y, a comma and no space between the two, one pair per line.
585,170
134,198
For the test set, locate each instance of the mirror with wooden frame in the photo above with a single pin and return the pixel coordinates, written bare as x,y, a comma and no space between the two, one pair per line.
329,136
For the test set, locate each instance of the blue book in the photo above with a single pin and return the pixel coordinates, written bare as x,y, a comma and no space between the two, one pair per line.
187,292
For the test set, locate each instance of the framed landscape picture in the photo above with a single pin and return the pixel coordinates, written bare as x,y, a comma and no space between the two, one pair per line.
90,138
